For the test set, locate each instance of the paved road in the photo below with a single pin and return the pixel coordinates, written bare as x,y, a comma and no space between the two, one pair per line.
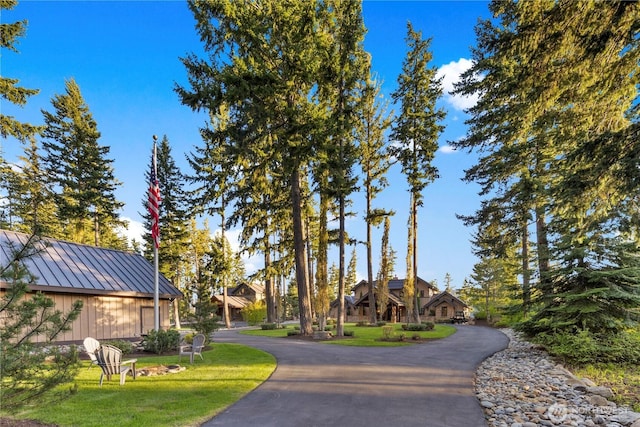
318,385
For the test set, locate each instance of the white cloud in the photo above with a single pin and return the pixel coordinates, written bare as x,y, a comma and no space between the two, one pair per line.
450,74
135,230
447,149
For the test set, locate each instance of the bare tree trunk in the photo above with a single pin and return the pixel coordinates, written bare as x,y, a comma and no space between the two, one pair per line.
416,307
304,300
526,274
340,325
269,287
372,297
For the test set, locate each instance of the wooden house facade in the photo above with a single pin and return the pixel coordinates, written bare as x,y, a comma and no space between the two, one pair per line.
238,298
395,310
116,287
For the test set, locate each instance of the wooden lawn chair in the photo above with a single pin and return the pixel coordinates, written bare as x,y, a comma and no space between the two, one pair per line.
90,347
193,349
110,360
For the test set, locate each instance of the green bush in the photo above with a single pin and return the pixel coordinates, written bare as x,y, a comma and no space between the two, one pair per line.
427,326
381,323
125,346
387,332
254,313
161,341
349,333
268,326
585,347
188,338
293,332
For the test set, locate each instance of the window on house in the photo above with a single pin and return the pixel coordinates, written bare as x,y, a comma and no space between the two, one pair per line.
422,293
443,311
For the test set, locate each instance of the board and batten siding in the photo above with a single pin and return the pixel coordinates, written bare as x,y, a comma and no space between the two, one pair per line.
108,317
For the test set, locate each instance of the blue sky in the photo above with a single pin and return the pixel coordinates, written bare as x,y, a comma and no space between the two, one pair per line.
124,56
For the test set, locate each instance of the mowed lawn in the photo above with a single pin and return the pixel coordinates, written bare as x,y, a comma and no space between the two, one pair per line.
187,398
197,394
369,336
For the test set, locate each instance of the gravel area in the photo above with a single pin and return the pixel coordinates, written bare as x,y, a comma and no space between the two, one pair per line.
522,386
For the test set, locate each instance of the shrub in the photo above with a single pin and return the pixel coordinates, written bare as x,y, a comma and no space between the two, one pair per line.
188,338
161,341
416,336
362,323
254,313
585,347
381,323
331,322
125,346
204,319
268,326
427,326
349,333
293,332
387,332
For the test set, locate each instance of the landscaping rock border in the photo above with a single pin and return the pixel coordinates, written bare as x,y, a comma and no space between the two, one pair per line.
522,386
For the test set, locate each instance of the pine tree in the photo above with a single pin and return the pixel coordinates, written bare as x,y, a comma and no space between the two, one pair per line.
416,131
264,66
556,106
387,262
79,170
9,89
32,372
375,163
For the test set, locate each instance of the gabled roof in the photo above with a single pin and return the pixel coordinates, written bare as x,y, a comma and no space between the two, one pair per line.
233,301
391,297
257,288
396,284
67,267
349,300
445,296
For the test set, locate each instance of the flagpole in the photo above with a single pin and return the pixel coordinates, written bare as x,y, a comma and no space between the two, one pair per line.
156,292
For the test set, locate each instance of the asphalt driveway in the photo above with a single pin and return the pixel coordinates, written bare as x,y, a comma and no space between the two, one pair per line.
318,385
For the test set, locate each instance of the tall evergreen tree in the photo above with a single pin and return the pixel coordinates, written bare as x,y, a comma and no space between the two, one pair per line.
10,91
416,131
79,170
263,64
375,162
557,101
35,204
344,68
387,262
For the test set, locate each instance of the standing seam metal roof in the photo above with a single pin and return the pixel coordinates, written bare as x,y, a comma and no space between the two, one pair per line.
71,267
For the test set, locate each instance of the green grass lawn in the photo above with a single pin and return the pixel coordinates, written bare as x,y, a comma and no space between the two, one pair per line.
368,336
187,398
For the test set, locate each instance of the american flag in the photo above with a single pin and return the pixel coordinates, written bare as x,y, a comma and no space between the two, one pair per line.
154,201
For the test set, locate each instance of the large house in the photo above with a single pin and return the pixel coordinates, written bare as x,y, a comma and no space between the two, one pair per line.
446,306
434,306
238,298
117,288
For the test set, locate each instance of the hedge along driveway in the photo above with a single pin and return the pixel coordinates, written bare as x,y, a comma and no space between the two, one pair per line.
187,398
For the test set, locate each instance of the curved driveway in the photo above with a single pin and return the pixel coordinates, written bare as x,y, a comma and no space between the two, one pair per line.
316,384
